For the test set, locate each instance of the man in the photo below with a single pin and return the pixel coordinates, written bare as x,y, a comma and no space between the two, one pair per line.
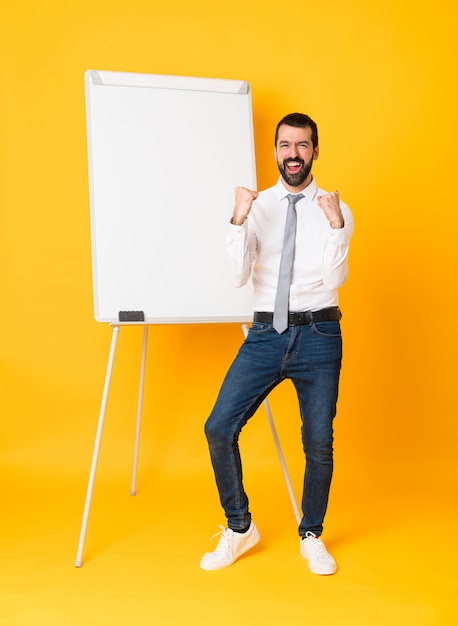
308,351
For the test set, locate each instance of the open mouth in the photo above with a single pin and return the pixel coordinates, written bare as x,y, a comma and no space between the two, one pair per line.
293,166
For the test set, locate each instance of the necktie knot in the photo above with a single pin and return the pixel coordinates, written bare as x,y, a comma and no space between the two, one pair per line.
293,198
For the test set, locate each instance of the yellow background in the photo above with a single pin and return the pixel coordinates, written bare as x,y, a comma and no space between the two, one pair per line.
379,77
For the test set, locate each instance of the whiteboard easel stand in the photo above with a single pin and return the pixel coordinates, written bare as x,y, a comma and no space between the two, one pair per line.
98,438
133,488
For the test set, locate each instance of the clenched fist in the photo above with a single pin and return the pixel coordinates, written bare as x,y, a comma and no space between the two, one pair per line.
243,200
330,204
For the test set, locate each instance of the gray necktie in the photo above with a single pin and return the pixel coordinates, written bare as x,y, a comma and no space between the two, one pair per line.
280,318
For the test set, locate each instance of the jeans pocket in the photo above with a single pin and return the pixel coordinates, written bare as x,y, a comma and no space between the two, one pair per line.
328,329
259,328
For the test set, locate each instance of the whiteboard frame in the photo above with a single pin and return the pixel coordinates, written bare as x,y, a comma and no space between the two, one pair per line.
238,302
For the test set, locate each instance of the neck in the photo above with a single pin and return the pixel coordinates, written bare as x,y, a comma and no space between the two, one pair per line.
300,187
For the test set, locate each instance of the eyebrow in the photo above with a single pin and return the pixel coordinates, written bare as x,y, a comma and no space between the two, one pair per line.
286,142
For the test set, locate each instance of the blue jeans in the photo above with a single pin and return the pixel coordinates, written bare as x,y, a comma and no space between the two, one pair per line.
310,356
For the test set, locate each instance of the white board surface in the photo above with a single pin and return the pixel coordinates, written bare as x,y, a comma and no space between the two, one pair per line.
165,154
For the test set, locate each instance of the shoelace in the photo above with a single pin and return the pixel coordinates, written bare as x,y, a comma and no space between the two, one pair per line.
223,543
316,546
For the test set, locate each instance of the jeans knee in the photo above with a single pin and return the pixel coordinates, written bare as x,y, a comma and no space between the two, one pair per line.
208,429
213,431
320,452
219,433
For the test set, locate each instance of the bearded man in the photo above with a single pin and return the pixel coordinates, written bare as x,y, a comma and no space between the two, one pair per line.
293,240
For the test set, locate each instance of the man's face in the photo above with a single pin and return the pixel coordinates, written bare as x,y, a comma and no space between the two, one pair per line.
295,154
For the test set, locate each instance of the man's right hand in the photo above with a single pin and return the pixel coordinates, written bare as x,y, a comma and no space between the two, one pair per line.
243,200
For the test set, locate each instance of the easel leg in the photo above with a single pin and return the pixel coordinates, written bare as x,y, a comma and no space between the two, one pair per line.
95,453
133,488
279,451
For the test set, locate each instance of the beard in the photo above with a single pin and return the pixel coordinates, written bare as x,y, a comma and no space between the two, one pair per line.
295,180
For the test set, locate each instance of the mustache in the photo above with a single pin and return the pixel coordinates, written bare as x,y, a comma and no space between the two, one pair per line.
294,160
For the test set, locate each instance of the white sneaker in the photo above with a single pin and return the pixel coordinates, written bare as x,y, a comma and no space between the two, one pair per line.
230,546
314,550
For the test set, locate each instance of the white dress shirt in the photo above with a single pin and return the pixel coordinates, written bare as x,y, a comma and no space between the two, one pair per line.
321,256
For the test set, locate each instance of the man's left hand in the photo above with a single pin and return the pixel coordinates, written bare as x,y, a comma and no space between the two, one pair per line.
330,204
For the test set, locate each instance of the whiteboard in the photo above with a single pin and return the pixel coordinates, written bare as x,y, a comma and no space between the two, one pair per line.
165,154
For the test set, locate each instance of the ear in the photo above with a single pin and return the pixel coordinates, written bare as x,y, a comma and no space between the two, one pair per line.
316,153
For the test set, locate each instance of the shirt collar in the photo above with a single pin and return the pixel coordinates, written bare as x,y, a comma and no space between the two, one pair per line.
309,192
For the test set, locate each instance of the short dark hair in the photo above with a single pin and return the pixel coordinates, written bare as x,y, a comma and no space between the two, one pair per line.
299,120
